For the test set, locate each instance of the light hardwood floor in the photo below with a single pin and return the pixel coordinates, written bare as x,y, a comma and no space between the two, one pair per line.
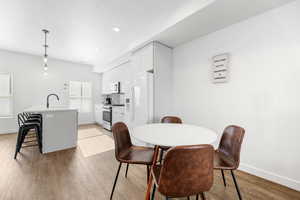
68,175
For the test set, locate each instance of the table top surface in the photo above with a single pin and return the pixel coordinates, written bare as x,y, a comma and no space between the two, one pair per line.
173,134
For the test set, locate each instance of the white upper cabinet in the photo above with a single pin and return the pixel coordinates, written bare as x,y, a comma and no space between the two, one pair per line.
122,73
147,57
106,87
143,59
146,81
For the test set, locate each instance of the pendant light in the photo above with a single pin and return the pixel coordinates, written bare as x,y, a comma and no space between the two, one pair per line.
45,57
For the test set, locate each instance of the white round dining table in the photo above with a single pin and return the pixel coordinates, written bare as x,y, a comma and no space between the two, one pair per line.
164,134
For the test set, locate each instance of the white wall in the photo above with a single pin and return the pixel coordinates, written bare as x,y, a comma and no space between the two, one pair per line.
31,87
262,95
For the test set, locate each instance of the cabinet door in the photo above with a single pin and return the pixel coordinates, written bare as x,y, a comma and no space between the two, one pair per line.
118,114
143,59
98,113
136,63
106,83
147,57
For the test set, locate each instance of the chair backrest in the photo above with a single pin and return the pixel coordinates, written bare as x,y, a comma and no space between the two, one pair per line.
121,138
187,171
231,143
171,119
26,114
21,119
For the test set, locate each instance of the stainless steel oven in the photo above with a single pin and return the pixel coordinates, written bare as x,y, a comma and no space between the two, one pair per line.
107,117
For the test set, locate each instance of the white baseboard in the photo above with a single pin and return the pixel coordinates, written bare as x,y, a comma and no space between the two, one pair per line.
288,182
9,131
86,123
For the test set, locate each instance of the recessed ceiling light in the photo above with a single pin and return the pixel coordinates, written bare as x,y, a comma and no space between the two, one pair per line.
116,29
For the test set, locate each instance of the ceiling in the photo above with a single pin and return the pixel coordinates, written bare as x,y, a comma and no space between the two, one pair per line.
82,30
215,16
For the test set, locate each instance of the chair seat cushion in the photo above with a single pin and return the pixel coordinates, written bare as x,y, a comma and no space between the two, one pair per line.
137,155
222,161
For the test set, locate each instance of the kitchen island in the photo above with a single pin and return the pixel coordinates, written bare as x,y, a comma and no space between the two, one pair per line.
60,127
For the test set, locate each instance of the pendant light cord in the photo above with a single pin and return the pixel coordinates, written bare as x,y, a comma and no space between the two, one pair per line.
46,46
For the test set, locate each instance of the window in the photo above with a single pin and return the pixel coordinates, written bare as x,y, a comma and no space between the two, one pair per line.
81,96
6,95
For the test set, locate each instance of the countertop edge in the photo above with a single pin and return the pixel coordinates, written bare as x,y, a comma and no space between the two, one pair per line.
49,110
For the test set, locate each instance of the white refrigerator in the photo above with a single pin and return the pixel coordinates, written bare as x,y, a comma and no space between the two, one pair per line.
140,100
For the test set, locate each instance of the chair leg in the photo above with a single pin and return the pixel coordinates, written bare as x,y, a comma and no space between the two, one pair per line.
24,132
38,134
203,196
197,197
126,170
115,182
224,180
16,153
148,173
167,198
188,198
236,185
22,138
161,155
153,192
18,144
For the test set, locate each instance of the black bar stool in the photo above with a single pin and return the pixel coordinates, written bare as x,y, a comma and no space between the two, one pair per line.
32,115
35,118
28,122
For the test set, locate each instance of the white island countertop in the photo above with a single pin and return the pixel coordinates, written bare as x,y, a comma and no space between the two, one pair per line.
60,127
50,109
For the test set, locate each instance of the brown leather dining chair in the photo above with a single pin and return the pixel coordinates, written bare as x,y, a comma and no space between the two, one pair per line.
171,119
186,171
227,156
126,152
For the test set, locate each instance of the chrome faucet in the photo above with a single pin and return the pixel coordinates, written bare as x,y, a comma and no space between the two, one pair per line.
50,96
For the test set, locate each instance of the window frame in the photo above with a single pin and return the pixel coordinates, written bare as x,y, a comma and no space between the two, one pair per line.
81,97
9,97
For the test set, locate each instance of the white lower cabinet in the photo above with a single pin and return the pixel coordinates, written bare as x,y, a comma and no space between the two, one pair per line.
98,114
118,114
